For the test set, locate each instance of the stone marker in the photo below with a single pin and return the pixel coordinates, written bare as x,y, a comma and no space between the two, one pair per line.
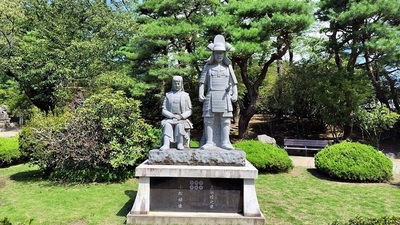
266,139
4,119
178,194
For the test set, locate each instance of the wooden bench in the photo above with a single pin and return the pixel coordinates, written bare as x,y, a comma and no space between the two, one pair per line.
304,144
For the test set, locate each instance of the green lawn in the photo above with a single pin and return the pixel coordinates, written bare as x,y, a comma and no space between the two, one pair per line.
24,196
295,198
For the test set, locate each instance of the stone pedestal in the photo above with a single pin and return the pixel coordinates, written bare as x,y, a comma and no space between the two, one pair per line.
187,194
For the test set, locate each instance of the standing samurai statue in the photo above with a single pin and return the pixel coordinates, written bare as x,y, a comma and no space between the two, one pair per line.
176,109
220,81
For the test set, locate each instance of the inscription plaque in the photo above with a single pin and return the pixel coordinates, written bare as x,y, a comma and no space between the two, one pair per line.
196,194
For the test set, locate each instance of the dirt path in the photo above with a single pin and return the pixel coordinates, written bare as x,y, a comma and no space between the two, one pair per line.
9,133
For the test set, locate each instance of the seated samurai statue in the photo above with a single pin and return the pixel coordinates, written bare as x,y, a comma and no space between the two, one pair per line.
176,109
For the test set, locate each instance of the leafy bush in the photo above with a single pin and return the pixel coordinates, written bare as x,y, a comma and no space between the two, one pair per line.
371,221
376,121
103,140
266,157
32,146
354,162
9,153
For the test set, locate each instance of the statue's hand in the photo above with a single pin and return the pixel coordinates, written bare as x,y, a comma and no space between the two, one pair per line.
177,117
234,98
202,98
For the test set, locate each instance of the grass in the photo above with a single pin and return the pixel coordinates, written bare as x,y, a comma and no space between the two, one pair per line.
299,197
302,197
24,196
8,150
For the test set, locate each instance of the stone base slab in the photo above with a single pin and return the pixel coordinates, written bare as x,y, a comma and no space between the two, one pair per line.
212,157
141,212
164,218
242,172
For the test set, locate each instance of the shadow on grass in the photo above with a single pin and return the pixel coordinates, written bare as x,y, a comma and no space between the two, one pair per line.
319,175
396,184
395,181
322,176
27,176
123,212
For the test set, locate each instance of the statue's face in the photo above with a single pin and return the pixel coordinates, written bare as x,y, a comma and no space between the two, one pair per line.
219,56
177,85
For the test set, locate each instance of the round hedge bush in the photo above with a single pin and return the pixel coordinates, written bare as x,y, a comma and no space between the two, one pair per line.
266,157
353,161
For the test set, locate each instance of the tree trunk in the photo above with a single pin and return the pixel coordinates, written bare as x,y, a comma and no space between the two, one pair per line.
347,130
244,121
374,77
393,91
248,104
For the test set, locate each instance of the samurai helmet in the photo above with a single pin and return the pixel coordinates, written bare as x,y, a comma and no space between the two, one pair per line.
219,44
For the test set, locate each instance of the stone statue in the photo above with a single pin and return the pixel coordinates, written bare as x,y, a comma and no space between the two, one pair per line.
176,109
219,79
3,112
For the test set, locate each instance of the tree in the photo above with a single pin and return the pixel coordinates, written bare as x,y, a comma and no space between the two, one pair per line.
61,46
335,95
12,96
173,36
365,35
261,32
374,122
169,41
12,18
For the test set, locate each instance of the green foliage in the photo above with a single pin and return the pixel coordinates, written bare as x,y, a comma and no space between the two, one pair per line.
367,30
376,121
168,42
172,37
386,220
261,32
9,152
266,157
120,81
194,144
11,95
326,94
58,46
351,161
103,140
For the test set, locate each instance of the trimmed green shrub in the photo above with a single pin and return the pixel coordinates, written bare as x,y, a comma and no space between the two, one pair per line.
371,221
353,161
266,157
194,144
9,153
103,140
